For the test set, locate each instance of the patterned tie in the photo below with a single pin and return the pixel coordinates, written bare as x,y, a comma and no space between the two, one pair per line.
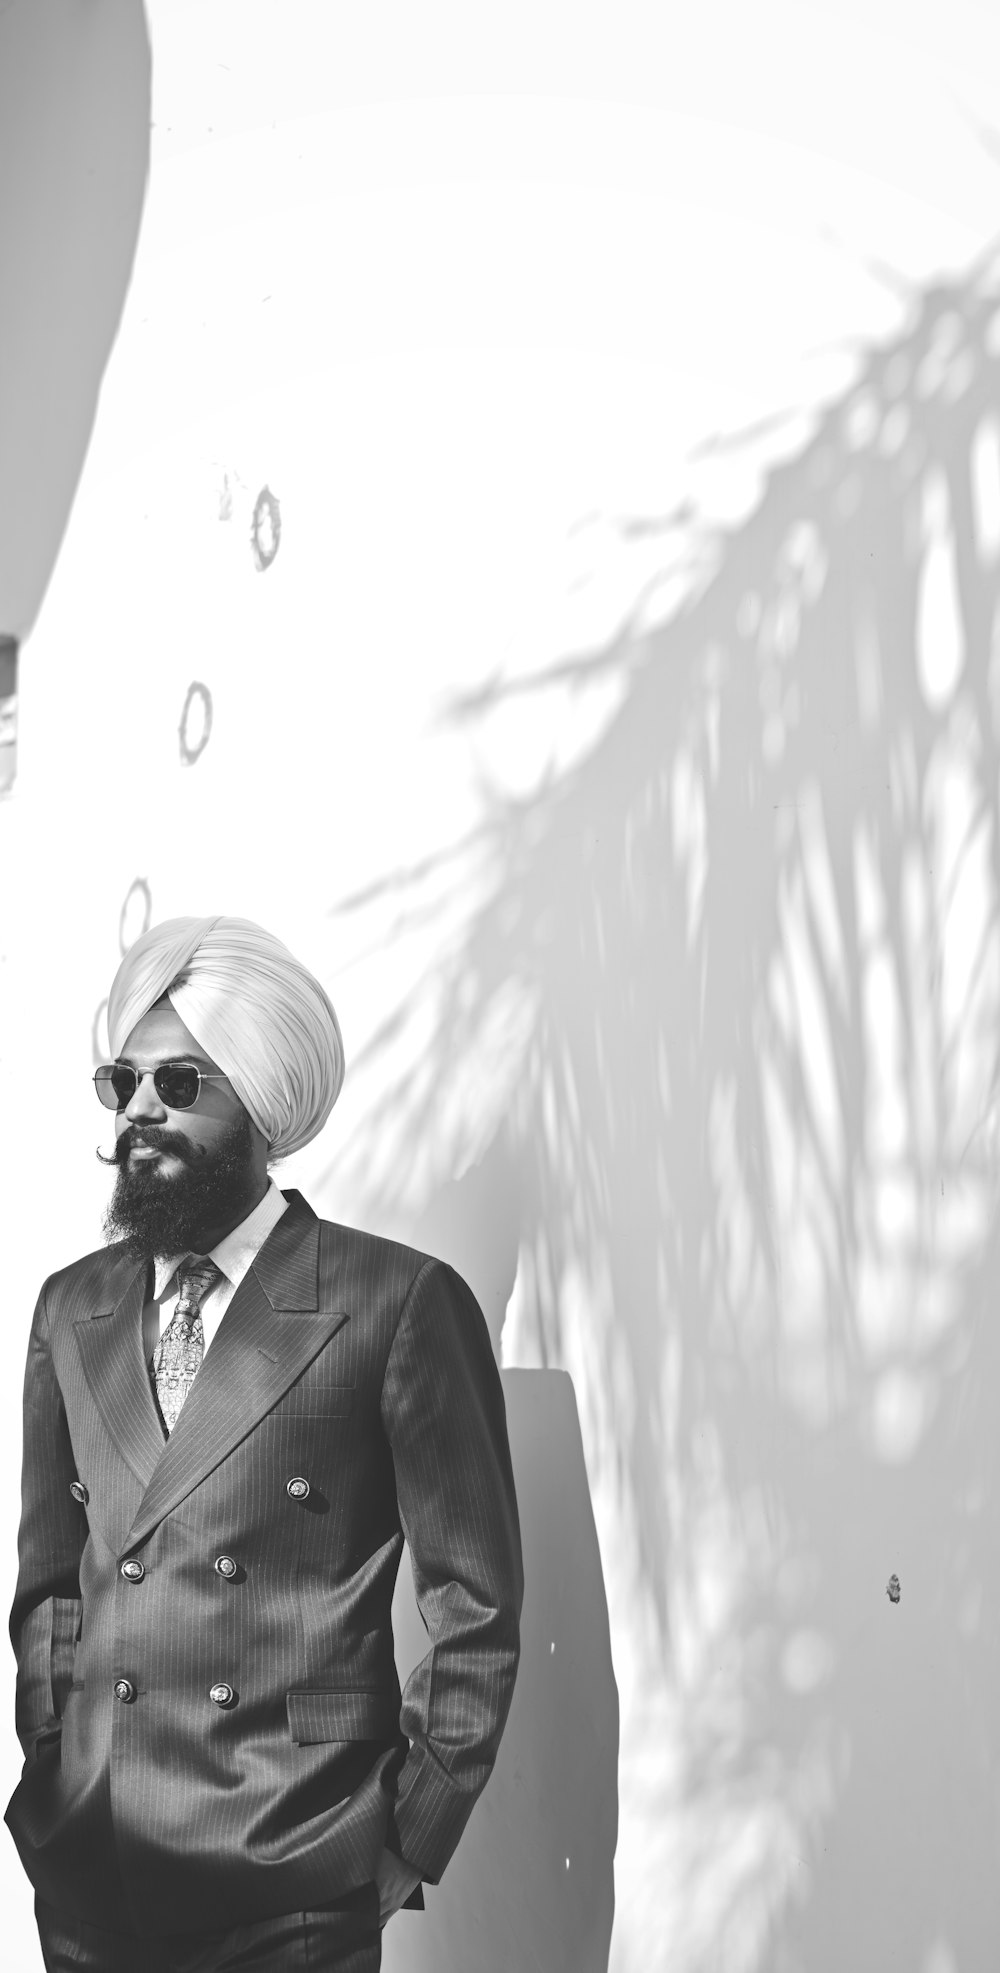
177,1356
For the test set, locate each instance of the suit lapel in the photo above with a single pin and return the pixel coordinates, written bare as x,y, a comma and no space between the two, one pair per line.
110,1344
271,1330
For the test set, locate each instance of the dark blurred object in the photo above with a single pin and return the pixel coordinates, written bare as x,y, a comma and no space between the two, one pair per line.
8,713
74,154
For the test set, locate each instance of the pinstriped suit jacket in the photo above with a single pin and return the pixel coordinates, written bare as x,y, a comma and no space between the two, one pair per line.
366,1369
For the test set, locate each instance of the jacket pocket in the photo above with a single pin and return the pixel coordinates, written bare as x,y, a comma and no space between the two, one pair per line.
333,1401
342,1713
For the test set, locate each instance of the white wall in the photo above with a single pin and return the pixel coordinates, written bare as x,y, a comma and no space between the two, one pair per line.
677,945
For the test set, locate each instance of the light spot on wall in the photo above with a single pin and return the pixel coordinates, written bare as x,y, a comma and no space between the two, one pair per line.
985,463
868,671
944,343
806,1661
939,1958
959,376
899,1415
895,429
860,421
803,560
940,644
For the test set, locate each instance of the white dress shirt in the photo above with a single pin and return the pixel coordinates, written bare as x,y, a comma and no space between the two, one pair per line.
233,1255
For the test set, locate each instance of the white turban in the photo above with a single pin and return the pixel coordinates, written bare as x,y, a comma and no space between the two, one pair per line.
252,1007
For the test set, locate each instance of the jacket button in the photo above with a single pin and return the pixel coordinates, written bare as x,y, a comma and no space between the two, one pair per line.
133,1571
222,1694
224,1565
124,1690
297,1489
79,1492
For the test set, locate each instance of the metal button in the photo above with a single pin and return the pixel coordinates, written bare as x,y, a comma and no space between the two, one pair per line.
297,1489
224,1565
79,1492
133,1571
222,1694
124,1690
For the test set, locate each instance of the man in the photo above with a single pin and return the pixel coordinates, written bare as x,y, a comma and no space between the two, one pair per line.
234,1413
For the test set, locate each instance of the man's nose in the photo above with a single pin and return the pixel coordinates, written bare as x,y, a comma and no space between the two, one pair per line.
145,1106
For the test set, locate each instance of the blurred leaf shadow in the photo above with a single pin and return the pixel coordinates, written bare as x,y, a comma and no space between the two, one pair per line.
738,972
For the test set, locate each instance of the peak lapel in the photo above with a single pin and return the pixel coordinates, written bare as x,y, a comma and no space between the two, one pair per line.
110,1345
287,1265
271,1330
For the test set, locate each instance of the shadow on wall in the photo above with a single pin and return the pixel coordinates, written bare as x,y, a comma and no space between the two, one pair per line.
752,943
74,155
532,1882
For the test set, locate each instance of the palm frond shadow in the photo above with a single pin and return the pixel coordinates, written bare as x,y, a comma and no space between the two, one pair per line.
757,961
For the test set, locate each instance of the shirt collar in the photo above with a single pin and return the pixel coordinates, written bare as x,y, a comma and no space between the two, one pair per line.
235,1254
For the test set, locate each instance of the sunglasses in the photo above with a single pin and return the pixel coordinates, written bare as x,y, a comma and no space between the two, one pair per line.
177,1084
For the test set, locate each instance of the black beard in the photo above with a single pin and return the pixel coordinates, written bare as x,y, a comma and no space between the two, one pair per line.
151,1214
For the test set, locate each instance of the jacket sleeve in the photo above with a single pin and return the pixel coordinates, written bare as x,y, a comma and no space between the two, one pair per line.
443,1411
46,1611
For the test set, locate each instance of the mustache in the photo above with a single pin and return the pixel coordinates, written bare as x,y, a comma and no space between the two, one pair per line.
159,1140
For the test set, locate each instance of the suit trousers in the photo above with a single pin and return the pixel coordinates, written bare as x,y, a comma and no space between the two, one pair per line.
341,1937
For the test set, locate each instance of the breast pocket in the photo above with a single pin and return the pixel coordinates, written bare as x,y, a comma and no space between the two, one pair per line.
323,1401
341,1713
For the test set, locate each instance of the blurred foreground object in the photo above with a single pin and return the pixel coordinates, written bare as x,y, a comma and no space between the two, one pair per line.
74,154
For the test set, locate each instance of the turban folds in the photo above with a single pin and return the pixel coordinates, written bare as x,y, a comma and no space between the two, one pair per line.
252,1007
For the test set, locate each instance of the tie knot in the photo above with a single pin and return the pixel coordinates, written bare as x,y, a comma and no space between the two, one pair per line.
195,1278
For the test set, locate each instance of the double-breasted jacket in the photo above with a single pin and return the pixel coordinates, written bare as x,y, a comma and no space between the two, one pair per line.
207,1695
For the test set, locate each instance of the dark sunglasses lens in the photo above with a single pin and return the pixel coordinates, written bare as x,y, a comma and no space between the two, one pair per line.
115,1086
176,1084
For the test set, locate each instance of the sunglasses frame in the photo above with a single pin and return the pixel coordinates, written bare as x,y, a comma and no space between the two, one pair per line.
203,1075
